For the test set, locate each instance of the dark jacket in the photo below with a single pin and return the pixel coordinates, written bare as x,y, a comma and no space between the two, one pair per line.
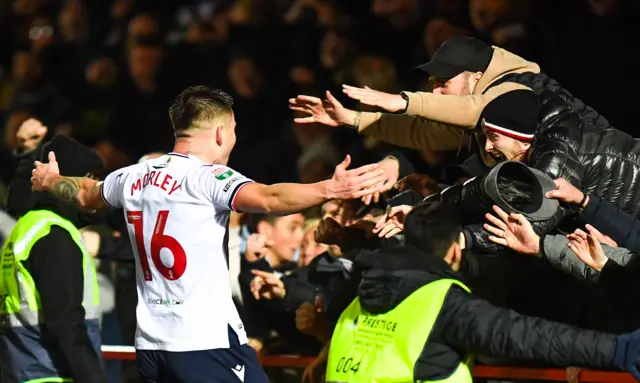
613,221
467,324
620,282
611,303
576,143
55,263
260,317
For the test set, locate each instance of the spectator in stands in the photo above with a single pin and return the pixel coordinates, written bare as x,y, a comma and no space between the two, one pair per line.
309,248
611,306
476,74
273,247
376,329
621,228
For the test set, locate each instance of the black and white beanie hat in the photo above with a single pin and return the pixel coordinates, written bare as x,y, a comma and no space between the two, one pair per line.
514,114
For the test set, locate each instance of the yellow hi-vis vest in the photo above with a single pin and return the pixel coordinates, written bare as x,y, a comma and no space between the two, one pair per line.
19,299
384,348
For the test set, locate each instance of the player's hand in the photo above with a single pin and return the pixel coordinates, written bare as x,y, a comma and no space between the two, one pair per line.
389,102
267,286
44,174
512,231
30,134
391,168
257,246
392,223
328,112
355,183
565,192
588,249
420,184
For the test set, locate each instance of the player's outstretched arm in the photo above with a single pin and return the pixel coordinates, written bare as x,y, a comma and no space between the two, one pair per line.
287,198
82,191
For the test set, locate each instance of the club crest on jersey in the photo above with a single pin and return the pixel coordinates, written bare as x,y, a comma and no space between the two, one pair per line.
222,173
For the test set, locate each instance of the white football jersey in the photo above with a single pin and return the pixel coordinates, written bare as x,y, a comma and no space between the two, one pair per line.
177,209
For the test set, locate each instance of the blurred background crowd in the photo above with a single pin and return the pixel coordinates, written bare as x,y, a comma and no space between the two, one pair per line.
105,71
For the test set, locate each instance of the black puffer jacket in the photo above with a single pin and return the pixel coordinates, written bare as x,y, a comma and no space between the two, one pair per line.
576,143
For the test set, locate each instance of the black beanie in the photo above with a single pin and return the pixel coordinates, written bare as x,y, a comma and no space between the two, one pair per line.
74,160
514,114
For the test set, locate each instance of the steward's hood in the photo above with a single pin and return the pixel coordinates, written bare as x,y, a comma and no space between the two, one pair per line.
503,62
391,274
74,160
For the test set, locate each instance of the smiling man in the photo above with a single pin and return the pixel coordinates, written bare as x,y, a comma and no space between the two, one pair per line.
509,122
581,146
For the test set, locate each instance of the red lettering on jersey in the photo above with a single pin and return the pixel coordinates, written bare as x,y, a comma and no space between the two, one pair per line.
153,178
165,182
136,186
155,181
175,187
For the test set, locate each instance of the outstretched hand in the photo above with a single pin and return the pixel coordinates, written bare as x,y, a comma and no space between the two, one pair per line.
43,174
392,222
588,249
328,112
565,192
391,168
512,231
355,183
387,101
601,237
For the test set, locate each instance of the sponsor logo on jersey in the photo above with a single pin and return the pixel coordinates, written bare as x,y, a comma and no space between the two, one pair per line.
164,302
222,173
231,182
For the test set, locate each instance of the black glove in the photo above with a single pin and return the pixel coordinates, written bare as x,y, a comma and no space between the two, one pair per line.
627,353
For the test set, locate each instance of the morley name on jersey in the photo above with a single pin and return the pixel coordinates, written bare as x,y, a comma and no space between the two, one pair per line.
158,179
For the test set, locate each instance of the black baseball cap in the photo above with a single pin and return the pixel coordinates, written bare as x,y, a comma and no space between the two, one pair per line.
457,55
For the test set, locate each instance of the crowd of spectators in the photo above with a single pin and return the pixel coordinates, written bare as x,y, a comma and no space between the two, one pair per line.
105,71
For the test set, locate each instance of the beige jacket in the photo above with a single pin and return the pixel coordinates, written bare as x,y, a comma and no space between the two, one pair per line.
433,122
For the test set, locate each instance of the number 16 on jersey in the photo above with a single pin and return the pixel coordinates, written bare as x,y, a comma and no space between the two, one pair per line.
159,241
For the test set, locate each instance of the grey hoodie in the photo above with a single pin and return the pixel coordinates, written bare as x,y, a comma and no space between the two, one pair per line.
555,250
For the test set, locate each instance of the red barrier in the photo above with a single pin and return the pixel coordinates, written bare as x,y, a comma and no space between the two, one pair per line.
487,372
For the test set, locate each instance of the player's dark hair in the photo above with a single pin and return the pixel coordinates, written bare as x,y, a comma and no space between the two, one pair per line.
199,103
432,227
